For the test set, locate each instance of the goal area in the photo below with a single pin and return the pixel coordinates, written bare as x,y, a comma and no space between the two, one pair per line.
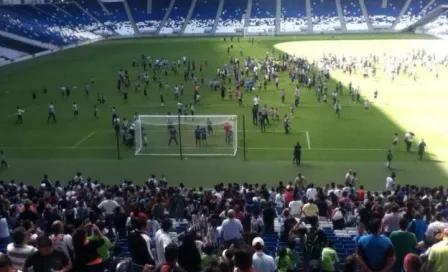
186,135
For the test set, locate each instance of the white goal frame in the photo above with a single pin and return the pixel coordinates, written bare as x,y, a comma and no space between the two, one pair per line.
231,118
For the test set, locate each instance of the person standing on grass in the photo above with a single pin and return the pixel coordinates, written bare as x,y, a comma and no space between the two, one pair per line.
297,155
51,113
19,113
337,108
389,158
421,149
3,163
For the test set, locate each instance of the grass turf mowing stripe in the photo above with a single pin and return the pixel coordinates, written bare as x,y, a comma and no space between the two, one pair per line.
84,139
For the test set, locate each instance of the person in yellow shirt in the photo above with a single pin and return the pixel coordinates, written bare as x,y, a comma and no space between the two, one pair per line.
438,256
310,210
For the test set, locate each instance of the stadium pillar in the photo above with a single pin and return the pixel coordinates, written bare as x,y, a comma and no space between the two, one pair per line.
244,137
180,137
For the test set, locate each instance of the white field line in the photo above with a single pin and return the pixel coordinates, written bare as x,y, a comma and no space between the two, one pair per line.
209,148
84,139
308,139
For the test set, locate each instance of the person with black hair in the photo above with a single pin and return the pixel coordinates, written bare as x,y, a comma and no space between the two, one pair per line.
18,251
170,257
6,264
404,242
139,243
189,257
86,251
47,258
242,256
374,251
313,242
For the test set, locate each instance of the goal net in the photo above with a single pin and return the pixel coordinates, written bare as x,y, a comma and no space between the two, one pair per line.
199,135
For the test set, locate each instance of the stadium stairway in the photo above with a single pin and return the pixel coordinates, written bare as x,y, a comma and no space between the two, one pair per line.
341,15
362,4
131,19
218,16
203,17
165,18
402,12
188,17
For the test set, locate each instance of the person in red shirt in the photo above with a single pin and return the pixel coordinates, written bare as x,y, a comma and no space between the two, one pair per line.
361,193
228,130
288,196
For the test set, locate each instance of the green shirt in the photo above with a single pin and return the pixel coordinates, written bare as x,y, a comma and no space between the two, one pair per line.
329,258
103,251
207,259
283,264
404,242
294,257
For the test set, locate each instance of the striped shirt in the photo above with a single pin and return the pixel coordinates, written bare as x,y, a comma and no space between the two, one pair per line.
18,254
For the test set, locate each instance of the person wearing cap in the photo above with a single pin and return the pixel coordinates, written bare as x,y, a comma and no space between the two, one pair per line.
231,228
438,256
47,258
262,262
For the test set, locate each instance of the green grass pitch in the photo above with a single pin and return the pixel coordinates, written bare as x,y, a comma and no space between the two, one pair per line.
358,140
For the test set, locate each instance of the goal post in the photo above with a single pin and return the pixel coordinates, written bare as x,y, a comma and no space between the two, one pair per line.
186,135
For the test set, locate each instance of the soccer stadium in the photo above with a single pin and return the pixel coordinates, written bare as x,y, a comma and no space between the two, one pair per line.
279,118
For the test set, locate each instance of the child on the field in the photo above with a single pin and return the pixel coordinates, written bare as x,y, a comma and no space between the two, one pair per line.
292,108
277,114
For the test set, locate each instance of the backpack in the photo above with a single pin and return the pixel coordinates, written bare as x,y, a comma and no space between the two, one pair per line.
312,245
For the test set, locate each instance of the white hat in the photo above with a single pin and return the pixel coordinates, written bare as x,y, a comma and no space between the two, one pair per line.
257,240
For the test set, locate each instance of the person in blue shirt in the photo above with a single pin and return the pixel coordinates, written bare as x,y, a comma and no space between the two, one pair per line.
173,135
374,251
197,135
204,135
418,226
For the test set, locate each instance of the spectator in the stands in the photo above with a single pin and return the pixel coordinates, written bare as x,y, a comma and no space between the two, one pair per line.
5,237
349,264
86,251
18,251
231,228
139,243
438,256
60,240
47,258
269,217
282,261
311,193
412,263
104,250
338,217
120,222
162,240
6,264
374,251
310,210
314,240
242,258
295,207
189,257
418,226
404,242
170,257
260,260
28,214
434,228
330,259
108,206
391,219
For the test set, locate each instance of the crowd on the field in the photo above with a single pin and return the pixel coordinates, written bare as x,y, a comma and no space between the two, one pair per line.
76,226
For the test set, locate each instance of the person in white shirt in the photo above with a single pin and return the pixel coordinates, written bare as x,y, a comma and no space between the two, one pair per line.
261,262
108,205
295,207
256,101
162,239
231,228
279,201
311,192
390,182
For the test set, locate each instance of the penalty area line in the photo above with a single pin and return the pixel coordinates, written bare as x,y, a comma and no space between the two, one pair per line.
84,139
